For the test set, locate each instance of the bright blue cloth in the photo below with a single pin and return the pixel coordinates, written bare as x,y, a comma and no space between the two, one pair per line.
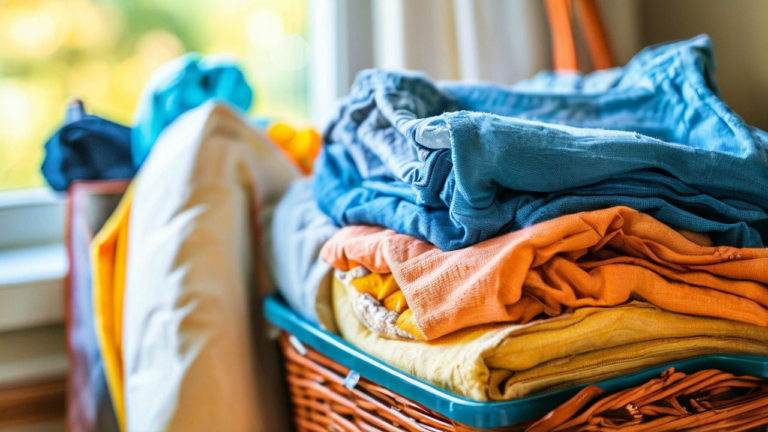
87,148
180,86
457,164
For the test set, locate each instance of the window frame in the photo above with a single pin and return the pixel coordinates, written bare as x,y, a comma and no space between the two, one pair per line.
31,217
33,258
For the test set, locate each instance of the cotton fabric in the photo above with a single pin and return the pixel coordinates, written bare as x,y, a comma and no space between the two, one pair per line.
299,231
456,164
599,258
301,145
512,361
195,346
88,148
181,85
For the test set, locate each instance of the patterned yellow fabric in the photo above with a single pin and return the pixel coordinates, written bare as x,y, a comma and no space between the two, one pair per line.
108,255
384,288
511,361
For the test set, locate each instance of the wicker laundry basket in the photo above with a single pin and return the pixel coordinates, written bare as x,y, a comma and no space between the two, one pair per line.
326,397
344,389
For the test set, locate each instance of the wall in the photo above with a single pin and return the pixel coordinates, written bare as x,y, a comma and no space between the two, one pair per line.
739,35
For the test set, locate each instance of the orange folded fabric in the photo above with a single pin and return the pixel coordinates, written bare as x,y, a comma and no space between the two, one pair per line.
301,146
706,400
598,258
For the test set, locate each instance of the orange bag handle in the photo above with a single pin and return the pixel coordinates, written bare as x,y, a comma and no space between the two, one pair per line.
563,45
594,34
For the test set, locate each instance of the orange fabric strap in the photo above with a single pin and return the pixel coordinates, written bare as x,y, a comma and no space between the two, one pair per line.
561,28
594,35
563,46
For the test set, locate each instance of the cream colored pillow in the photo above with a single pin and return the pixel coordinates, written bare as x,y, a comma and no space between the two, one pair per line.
196,353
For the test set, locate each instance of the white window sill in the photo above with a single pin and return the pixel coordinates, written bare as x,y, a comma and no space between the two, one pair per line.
31,217
32,286
33,259
33,268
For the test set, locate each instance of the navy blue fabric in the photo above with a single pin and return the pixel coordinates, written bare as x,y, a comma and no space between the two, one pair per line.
90,148
455,164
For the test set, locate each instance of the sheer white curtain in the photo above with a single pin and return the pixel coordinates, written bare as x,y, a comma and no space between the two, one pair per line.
477,40
502,41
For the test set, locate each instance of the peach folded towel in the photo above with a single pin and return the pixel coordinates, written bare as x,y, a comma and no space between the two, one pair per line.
597,258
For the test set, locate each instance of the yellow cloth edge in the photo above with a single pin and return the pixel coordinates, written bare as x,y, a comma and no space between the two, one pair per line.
383,287
469,359
608,327
108,253
618,361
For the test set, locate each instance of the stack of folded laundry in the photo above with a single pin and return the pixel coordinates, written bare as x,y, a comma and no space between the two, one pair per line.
502,242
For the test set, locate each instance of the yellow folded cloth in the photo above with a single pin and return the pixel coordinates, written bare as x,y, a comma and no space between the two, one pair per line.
300,145
511,361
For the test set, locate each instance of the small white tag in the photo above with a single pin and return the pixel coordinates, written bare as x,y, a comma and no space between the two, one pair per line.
297,345
351,380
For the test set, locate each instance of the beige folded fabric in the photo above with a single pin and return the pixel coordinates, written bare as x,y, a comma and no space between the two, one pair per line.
509,361
195,349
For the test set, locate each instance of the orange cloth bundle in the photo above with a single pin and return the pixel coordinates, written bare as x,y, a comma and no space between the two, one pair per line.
301,146
598,258
709,400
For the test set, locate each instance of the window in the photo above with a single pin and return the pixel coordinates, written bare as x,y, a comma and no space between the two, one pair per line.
104,51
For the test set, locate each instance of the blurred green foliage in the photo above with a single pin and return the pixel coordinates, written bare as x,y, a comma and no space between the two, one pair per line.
104,51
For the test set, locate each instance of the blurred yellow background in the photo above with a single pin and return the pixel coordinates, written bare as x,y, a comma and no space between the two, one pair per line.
104,51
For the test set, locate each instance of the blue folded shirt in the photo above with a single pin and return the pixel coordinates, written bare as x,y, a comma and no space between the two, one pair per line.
455,164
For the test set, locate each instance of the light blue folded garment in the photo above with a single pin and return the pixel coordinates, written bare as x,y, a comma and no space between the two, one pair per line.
181,85
299,230
457,164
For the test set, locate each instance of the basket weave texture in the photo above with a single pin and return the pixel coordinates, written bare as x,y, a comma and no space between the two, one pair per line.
321,401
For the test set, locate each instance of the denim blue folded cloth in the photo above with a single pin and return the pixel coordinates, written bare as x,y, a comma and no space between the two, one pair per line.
87,147
455,164
181,85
